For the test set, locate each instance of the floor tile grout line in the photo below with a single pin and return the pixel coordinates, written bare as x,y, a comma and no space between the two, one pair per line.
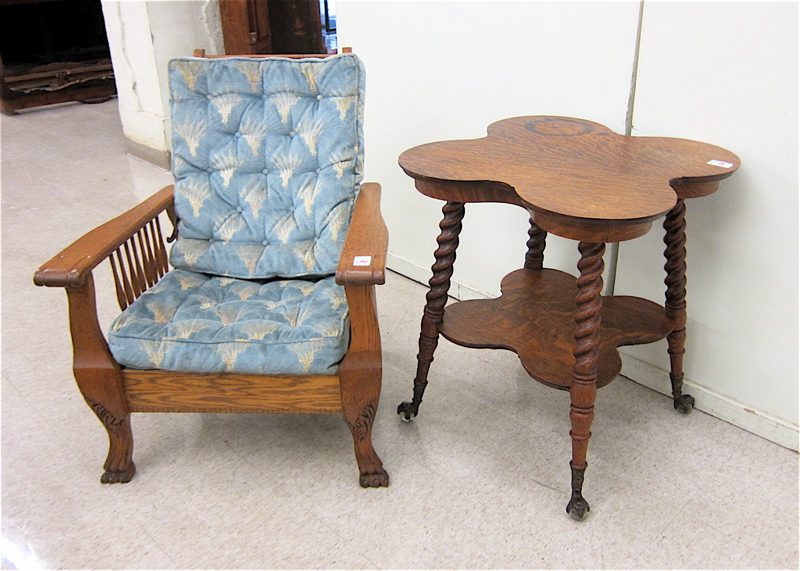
64,443
355,548
89,470
639,555
515,422
479,499
157,544
712,526
679,510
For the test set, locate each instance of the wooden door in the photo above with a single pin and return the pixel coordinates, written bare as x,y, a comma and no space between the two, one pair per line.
272,26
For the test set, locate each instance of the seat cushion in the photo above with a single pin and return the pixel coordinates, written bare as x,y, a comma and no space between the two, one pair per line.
195,323
267,160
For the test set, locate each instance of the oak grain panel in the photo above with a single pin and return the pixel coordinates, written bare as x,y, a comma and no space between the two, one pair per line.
578,178
165,391
534,318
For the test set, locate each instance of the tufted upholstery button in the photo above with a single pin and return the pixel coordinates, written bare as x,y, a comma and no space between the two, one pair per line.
290,167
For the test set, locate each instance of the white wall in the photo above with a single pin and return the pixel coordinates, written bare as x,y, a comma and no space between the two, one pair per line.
724,73
446,70
143,37
140,104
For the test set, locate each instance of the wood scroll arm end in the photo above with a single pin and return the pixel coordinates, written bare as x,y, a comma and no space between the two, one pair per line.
363,259
71,267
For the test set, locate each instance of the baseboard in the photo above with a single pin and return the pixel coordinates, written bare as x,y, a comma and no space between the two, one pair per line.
719,406
419,274
706,400
161,159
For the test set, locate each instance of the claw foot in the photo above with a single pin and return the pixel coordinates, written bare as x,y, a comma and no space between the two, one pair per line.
374,480
118,476
684,404
577,508
407,411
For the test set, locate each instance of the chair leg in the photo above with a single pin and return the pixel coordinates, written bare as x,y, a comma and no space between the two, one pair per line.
360,382
361,388
99,380
119,467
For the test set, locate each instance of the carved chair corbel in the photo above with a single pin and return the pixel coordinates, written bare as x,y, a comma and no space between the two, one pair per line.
277,247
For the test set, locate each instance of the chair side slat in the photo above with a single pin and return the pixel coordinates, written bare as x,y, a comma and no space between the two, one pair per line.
162,249
139,263
127,288
152,248
147,257
121,297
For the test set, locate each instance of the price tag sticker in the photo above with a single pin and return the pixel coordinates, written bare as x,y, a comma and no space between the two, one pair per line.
722,164
362,260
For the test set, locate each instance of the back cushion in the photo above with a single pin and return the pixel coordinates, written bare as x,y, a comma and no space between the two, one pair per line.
267,159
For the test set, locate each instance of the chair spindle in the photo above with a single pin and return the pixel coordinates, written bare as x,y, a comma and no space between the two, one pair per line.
122,298
162,250
144,247
139,263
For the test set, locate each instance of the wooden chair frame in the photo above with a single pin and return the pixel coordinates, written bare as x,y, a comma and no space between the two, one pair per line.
135,246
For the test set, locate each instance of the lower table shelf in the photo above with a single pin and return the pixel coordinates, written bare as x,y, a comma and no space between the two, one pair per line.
534,318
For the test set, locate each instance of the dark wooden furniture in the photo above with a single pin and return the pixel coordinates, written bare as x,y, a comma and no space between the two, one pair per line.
272,26
579,180
135,246
53,51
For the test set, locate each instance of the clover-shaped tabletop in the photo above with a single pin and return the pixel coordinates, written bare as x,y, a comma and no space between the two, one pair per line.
578,179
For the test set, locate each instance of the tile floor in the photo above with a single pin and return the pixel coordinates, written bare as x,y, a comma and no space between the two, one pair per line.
479,480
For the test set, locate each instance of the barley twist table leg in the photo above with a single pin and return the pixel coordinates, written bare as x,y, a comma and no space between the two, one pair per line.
436,299
534,258
675,253
583,391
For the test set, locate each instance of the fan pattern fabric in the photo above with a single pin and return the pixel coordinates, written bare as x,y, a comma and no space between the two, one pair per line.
268,158
267,161
191,322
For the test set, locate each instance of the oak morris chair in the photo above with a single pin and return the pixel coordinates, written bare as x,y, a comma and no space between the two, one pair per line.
270,302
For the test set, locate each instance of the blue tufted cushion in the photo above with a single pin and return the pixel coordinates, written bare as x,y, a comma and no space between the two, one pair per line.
267,160
192,322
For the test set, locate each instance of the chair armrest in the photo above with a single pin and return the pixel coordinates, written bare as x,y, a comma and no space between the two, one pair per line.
71,267
366,243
